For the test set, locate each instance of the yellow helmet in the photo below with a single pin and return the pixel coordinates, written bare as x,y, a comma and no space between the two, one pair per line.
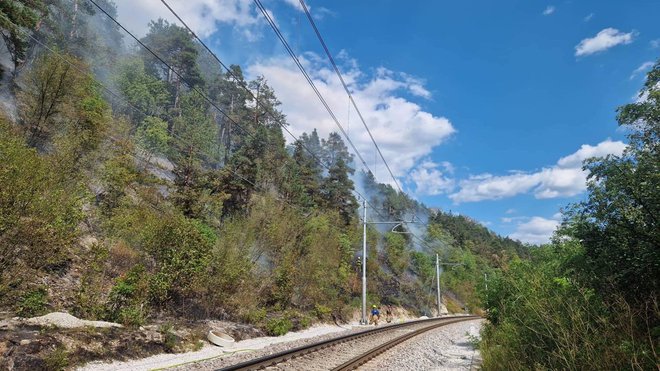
374,306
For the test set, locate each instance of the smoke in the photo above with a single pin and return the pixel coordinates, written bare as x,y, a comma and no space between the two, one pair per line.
7,99
414,216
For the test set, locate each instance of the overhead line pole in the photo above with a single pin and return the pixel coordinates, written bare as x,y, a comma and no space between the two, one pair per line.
364,263
437,276
295,59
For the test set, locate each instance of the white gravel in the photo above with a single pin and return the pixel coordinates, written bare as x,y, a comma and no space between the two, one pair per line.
210,352
446,348
65,320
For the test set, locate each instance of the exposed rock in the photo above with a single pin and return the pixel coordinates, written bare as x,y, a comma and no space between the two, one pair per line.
65,320
236,330
88,241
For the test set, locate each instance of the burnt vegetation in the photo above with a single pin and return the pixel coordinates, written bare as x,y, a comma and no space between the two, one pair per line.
133,190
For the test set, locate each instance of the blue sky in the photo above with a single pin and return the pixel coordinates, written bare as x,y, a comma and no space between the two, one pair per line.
482,108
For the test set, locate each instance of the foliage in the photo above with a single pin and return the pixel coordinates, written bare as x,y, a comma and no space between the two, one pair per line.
18,17
540,318
146,92
336,191
396,252
33,303
57,98
169,338
128,297
589,299
89,301
152,137
58,359
278,326
39,215
618,223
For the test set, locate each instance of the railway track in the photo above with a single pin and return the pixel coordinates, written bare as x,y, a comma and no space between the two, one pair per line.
346,352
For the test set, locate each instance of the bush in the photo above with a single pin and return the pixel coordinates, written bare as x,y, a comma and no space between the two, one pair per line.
89,301
541,319
33,303
128,298
169,338
58,359
278,326
38,214
321,311
254,316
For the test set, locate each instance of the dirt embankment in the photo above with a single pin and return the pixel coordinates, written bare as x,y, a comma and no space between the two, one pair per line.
60,341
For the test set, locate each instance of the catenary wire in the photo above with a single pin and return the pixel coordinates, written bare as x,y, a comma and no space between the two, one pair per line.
350,96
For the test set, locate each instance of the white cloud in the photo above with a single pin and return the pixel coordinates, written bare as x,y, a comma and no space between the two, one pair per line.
564,179
203,16
605,39
643,68
586,151
511,219
549,10
655,44
588,17
429,180
296,4
404,132
537,230
322,12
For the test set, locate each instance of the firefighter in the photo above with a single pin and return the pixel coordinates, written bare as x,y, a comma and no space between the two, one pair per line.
375,315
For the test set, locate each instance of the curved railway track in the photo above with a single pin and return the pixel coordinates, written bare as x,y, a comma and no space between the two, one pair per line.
346,352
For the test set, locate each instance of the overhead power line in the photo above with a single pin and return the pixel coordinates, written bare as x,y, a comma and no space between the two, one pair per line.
309,79
244,86
196,89
192,87
350,96
348,92
323,101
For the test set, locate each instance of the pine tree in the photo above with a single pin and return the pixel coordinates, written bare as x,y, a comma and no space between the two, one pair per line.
334,149
176,46
309,175
336,191
17,17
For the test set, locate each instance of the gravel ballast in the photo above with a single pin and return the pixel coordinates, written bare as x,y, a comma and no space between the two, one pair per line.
446,348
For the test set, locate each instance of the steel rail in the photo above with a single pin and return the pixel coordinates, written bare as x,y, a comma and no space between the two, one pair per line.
280,357
369,355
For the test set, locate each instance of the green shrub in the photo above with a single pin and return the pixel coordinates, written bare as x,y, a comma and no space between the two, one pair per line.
299,320
131,316
304,322
89,301
39,212
33,303
169,338
254,316
58,359
321,311
278,326
128,298
540,319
